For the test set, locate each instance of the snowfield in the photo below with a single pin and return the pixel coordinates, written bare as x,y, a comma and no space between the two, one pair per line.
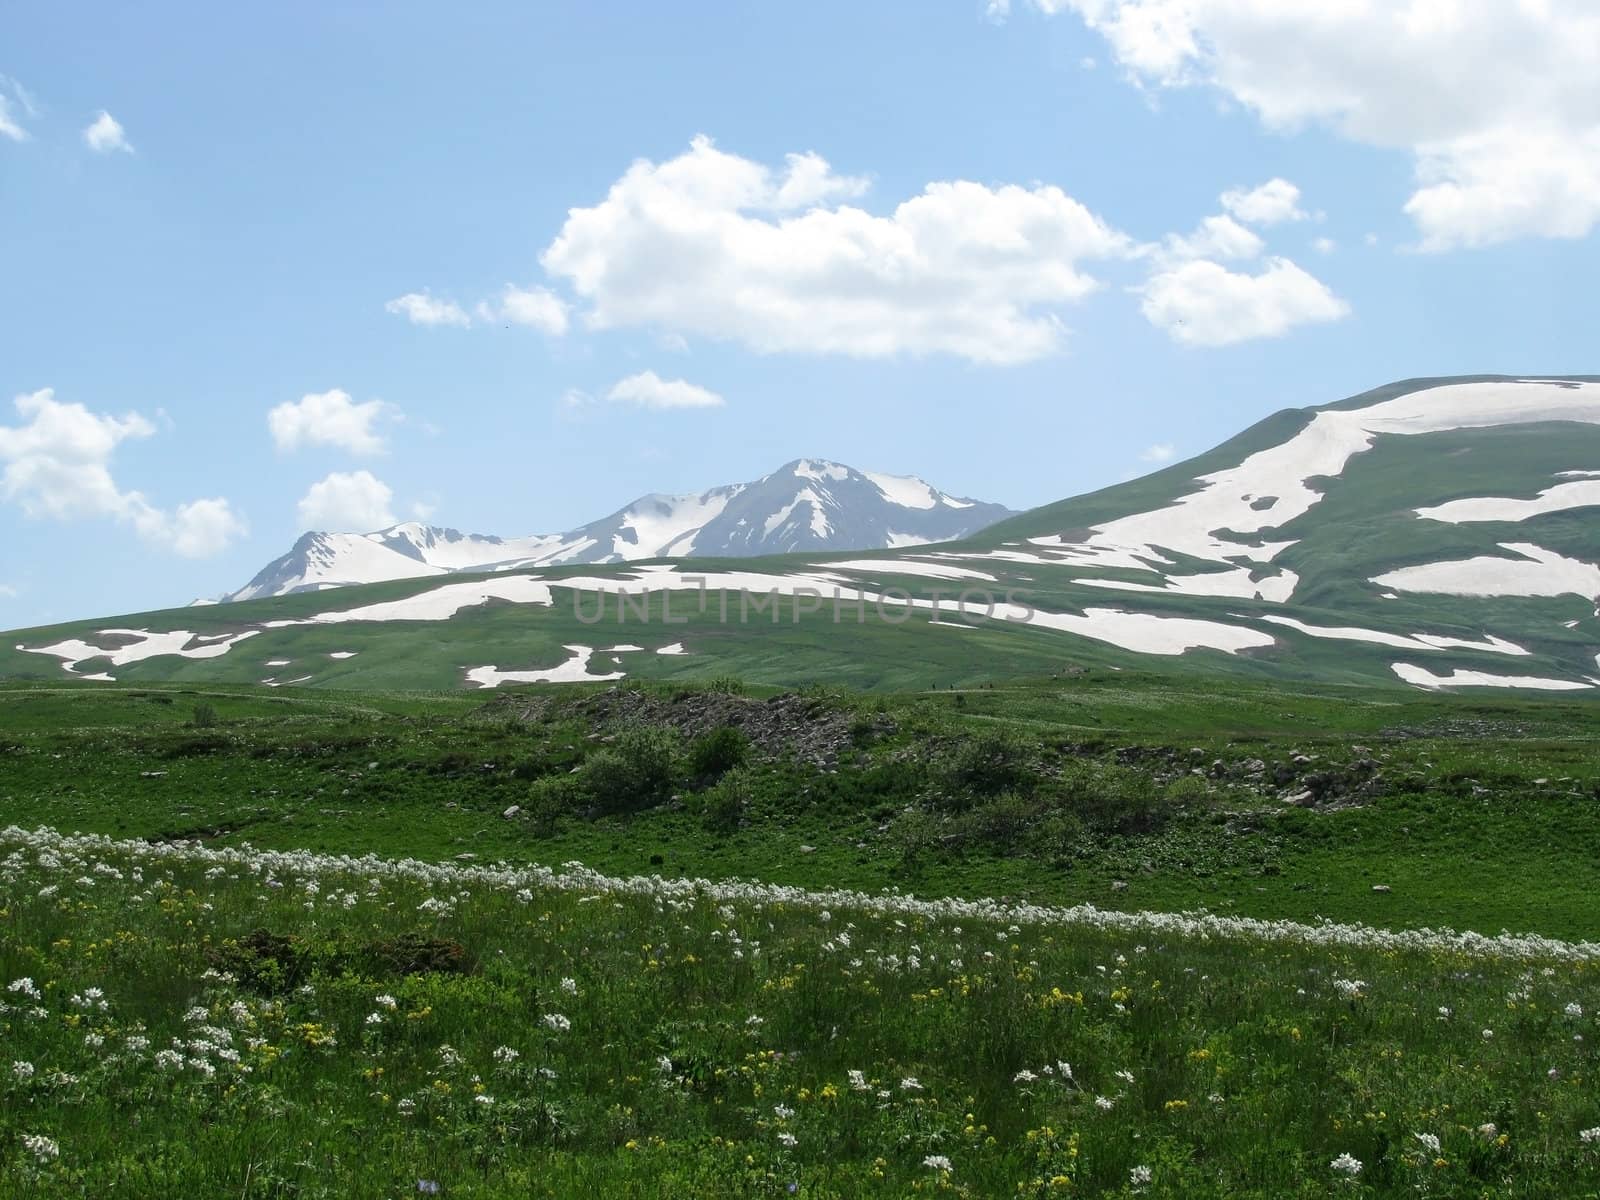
1424,678
1560,498
143,645
1536,572
1420,641
574,670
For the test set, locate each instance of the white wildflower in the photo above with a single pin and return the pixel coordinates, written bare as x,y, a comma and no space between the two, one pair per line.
42,1148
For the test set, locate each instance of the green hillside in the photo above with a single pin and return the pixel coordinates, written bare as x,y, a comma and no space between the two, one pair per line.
1188,570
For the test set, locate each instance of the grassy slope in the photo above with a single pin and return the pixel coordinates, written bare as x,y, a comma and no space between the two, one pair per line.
1491,820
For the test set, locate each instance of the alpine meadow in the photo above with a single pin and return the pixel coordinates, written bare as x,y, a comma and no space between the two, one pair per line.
1156,759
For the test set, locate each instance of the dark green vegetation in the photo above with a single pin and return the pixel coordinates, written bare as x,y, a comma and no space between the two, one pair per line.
1125,791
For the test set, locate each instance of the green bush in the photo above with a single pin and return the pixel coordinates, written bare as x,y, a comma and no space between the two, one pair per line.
917,835
1001,823
550,798
633,773
979,767
205,716
718,751
1113,800
723,805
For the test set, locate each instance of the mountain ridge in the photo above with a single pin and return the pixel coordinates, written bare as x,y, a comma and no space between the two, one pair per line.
808,504
1433,533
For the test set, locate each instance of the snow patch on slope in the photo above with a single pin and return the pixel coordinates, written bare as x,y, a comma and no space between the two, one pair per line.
144,645
1423,678
1559,498
1420,641
905,490
1538,572
574,670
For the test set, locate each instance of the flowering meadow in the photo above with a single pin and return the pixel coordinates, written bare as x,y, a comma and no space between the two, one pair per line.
188,1021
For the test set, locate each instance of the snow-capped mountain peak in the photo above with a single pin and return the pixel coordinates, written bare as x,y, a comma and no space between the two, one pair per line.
809,504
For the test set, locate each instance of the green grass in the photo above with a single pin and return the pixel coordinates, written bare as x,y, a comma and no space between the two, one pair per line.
1487,819
345,1031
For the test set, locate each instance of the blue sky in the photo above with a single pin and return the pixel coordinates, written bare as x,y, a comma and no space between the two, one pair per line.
1046,314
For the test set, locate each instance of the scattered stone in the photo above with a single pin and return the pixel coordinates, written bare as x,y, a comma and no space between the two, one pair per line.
1380,887
510,813
808,849
1119,885
151,774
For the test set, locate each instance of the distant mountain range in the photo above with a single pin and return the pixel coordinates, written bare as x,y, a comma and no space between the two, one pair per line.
809,505
1433,533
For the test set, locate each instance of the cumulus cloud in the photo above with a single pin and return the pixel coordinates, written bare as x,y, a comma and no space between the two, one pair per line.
1202,303
104,135
347,502
202,528
712,244
422,309
1217,237
328,418
1161,452
538,308
1496,102
1274,201
58,466
649,390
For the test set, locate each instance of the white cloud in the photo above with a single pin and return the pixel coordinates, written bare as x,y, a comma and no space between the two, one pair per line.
1496,101
1217,237
649,390
10,127
57,465
576,398
1324,245
15,103
537,307
710,244
1202,303
328,418
104,135
1161,452
7,592
422,309
202,528
353,502
1274,201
